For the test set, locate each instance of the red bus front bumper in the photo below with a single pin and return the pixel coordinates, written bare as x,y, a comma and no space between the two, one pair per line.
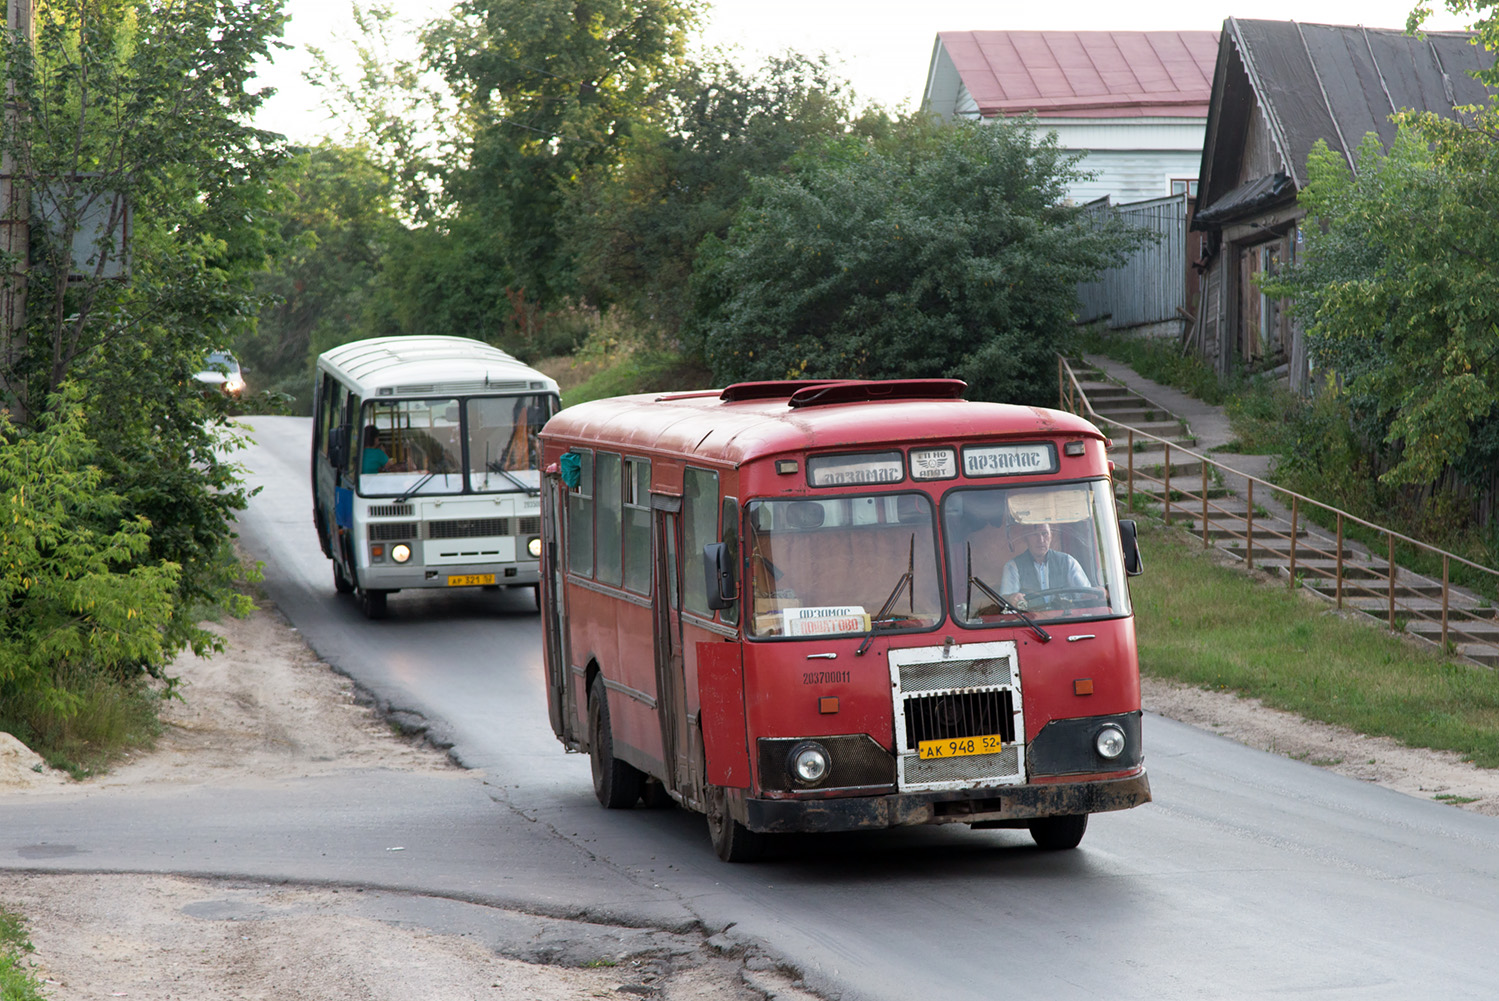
1002,806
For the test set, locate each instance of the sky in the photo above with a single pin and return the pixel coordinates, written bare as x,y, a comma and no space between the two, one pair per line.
882,46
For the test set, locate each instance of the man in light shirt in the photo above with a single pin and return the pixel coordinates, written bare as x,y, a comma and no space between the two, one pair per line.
1039,568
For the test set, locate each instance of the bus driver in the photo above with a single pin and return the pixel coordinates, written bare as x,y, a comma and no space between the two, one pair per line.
1039,567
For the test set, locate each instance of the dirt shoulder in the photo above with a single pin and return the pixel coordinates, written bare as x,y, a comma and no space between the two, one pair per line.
267,708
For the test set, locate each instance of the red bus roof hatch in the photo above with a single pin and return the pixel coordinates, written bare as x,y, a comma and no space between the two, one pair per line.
775,390
877,391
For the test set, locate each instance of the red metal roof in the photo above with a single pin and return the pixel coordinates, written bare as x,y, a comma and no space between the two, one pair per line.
1086,74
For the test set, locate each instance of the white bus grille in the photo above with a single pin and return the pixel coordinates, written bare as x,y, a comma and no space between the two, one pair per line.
953,692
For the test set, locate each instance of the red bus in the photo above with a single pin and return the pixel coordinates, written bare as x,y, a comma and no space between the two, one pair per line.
841,605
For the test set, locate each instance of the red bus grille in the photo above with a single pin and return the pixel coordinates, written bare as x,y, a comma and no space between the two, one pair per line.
960,714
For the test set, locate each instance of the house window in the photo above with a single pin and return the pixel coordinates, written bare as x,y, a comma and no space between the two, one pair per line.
1184,184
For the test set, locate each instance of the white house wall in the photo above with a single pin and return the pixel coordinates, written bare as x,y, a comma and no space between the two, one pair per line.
1132,175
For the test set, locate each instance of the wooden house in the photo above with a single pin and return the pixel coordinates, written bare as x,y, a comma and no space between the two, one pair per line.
1278,87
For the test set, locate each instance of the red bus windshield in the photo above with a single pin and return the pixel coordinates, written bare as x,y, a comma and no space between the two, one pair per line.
842,564
1051,551
854,562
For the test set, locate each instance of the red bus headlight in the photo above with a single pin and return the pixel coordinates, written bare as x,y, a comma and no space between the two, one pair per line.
1110,742
808,763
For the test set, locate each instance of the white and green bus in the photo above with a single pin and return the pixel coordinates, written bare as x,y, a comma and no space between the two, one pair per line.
424,465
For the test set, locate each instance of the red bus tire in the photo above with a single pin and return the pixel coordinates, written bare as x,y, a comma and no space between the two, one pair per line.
732,841
1055,834
615,783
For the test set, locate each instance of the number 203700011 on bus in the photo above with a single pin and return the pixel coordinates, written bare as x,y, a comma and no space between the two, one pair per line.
958,747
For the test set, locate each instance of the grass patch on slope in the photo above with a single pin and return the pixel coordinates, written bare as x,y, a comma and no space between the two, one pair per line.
16,980
1208,625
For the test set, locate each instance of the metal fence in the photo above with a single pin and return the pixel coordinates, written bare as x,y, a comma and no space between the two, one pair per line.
1371,581
1151,286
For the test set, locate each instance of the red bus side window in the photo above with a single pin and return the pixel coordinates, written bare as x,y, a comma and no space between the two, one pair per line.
731,544
699,527
580,520
637,523
610,569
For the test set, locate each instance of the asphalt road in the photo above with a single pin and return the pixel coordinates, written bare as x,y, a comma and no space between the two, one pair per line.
1251,876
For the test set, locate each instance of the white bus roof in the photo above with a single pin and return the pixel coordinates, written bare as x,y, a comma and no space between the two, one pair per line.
430,365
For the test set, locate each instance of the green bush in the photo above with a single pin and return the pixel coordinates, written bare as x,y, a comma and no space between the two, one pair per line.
16,981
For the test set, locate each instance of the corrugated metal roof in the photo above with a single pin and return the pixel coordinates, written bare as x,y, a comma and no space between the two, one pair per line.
1339,82
1116,74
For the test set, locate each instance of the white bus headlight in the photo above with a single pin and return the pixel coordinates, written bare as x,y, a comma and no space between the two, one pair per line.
808,763
1109,742
400,552
533,546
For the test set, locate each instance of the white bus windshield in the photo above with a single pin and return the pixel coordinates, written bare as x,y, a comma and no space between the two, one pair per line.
448,445
1050,551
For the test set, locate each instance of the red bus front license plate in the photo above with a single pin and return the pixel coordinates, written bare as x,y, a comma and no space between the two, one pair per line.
958,747
470,579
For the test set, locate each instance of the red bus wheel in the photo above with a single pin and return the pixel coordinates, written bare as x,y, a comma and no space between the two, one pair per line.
616,784
1059,833
732,841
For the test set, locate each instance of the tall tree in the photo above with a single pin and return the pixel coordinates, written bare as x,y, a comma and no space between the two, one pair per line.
634,229
1398,288
549,90
938,251
338,224
151,202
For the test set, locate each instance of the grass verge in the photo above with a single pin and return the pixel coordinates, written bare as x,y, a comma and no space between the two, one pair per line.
16,981
1157,359
108,717
1204,624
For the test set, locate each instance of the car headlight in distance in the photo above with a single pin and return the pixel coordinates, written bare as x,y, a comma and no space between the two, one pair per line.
808,763
400,552
533,546
1110,742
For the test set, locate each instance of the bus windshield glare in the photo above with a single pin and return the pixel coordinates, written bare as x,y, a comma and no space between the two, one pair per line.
1051,552
446,445
843,564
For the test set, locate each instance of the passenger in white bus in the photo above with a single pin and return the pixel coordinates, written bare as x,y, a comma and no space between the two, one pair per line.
1039,568
374,458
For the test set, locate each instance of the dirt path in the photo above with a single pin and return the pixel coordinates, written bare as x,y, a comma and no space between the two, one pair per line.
267,708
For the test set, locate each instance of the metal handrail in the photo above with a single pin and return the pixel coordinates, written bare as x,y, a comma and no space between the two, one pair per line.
1074,398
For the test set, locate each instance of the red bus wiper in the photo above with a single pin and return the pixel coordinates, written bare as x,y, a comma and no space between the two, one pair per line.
906,582
1005,605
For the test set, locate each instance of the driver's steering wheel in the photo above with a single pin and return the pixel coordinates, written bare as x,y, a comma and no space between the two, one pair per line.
1072,595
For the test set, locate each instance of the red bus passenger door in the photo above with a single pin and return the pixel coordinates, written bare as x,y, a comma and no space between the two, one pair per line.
720,683
671,696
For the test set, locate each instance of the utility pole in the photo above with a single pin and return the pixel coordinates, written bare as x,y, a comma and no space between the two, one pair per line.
15,219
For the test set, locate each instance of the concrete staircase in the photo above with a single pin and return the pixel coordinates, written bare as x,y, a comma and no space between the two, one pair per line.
1354,577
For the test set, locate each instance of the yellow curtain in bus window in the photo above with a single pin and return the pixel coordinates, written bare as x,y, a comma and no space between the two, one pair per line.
824,620
1031,506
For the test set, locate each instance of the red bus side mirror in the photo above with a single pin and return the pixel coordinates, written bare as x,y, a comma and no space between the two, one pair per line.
722,582
1127,538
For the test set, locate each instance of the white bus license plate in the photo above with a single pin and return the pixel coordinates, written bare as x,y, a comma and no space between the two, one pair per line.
470,579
